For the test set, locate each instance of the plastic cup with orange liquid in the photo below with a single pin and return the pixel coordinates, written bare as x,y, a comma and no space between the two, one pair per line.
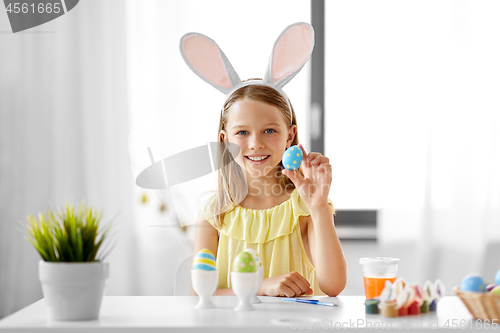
376,271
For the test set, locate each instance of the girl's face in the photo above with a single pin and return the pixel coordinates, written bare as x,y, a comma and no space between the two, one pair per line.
259,129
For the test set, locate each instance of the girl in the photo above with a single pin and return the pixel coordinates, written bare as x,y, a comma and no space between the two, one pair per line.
284,215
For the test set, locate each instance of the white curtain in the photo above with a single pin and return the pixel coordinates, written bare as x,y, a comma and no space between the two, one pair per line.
461,212
454,223
413,98
63,135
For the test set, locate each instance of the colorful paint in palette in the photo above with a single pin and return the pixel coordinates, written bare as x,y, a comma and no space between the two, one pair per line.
371,306
389,309
376,272
374,286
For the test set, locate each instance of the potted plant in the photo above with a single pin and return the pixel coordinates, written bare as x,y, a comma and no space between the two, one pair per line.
73,245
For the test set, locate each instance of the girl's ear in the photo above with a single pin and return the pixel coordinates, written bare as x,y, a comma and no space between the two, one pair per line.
223,136
291,51
291,135
207,60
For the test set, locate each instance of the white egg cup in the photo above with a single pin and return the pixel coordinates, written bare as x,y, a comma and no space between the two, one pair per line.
243,285
204,284
260,273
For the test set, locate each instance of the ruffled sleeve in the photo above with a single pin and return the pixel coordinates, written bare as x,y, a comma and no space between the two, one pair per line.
204,206
264,225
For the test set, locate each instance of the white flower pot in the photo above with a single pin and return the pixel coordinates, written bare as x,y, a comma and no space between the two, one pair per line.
73,291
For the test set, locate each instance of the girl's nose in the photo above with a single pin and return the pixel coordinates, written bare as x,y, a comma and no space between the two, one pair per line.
256,142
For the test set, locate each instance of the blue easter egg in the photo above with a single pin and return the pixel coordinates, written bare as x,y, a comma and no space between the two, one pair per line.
497,277
292,158
472,283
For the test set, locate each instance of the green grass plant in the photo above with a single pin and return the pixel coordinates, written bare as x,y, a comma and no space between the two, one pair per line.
69,235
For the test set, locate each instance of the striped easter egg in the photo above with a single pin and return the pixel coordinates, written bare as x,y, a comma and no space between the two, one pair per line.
204,260
255,256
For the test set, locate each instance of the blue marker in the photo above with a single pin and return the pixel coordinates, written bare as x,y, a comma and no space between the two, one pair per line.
309,301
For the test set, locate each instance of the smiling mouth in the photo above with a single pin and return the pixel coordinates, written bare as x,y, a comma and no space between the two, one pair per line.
257,159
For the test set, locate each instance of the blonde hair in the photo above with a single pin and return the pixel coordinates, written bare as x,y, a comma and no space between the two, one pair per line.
230,175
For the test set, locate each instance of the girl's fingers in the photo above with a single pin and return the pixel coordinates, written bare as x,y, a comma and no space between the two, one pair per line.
313,158
304,287
325,168
300,281
294,176
318,159
287,291
306,161
311,164
304,153
289,284
300,278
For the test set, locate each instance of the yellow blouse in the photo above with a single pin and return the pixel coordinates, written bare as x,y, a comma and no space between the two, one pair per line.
274,233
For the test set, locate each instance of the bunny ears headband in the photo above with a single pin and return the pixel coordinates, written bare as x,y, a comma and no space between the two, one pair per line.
291,51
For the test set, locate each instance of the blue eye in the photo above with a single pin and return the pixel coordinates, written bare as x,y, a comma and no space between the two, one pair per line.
239,133
270,129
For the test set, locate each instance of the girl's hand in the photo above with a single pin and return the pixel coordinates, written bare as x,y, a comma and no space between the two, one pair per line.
315,185
291,285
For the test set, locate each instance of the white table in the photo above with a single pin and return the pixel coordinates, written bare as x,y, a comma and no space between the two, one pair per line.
177,313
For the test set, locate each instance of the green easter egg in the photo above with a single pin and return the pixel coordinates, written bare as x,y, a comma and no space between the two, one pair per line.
244,263
496,290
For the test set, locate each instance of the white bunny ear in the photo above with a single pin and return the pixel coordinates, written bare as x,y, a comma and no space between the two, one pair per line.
207,60
291,51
